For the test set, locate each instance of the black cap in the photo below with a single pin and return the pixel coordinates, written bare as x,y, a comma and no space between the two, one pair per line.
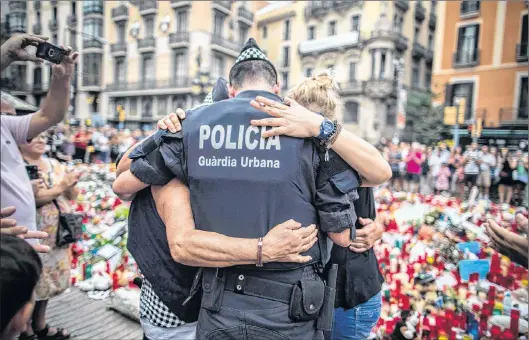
220,91
251,51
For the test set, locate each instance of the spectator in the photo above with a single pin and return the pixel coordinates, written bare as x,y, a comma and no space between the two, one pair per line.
414,161
68,147
444,153
471,171
114,147
394,160
520,177
487,164
434,164
456,167
442,179
21,268
507,165
50,202
81,143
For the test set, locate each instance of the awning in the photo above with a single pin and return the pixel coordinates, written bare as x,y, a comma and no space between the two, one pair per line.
20,105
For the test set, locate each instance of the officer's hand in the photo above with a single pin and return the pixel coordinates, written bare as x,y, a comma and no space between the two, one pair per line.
286,241
171,122
367,236
293,120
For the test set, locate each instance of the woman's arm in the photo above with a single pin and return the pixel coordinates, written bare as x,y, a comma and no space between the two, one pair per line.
127,185
45,196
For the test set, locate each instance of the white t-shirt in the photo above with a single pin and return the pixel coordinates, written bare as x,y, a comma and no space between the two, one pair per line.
471,167
488,161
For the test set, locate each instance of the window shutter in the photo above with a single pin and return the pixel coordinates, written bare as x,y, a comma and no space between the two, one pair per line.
470,98
476,41
448,95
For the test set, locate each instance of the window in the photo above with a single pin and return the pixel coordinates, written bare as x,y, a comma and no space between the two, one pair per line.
265,32
18,72
469,6
467,44
391,116
398,22
382,65
457,91
522,100
284,80
149,27
179,65
74,7
133,106
147,68
416,33
93,6
181,21
332,28
373,64
120,71
415,73
122,32
37,76
162,105
243,33
430,40
428,78
17,22
218,66
308,72
38,17
146,111
352,72
311,33
524,38
286,56
91,69
54,13
179,102
286,30
218,24
355,23
93,28
351,113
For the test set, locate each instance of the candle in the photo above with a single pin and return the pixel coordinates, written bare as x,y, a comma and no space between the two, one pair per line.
515,318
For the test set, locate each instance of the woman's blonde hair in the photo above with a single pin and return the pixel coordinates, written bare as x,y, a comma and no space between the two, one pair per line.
321,91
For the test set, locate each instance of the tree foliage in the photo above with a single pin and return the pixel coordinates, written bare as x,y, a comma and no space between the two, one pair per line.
424,122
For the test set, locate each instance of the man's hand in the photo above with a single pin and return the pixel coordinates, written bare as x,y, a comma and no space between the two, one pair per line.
67,66
8,226
171,122
293,120
286,241
367,236
508,243
15,48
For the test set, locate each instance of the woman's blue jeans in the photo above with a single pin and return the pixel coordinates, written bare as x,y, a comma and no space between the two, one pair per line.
356,323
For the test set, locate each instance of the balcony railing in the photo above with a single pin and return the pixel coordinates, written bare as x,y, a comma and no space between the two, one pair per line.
19,86
17,6
244,13
18,29
119,47
92,43
148,6
521,52
402,4
428,56
72,20
229,44
151,84
53,25
401,42
330,43
379,88
433,21
470,7
420,11
510,115
418,50
178,37
146,43
120,12
93,7
352,86
318,8
466,58
37,28
223,5
342,5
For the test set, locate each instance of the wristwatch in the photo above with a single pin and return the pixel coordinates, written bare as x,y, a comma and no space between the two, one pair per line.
327,127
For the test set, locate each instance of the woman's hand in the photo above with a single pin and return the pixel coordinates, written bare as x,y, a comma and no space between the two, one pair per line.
367,236
171,122
69,180
293,120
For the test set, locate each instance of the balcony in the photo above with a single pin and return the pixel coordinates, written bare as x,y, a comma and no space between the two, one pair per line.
36,5
521,52
37,28
39,88
379,88
71,21
513,116
92,80
385,35
245,16
401,42
337,42
418,50
120,13
318,9
92,43
420,11
432,23
351,87
148,7
146,44
180,3
402,4
176,82
18,29
93,8
17,6
225,46
53,25
178,39
470,8
344,5
223,6
118,49
464,59
428,56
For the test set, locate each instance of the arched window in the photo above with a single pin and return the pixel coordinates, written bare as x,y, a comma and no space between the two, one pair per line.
351,113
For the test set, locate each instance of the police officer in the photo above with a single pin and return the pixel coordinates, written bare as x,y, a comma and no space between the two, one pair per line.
242,184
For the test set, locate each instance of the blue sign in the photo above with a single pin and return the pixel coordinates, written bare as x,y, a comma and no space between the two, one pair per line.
468,267
472,247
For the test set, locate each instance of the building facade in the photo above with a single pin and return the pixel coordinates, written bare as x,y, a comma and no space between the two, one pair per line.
369,45
481,55
163,55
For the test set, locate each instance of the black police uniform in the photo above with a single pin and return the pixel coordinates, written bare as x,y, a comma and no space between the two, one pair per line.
241,186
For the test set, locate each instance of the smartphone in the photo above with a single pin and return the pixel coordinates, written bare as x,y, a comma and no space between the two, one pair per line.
50,52
33,172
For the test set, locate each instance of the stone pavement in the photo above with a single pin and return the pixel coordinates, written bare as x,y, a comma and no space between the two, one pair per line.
90,319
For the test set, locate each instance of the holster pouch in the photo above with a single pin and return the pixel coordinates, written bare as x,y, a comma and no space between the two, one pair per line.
213,282
306,300
326,316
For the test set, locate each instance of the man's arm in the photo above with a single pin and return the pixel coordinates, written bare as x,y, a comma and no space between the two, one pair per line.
15,49
57,100
127,185
208,249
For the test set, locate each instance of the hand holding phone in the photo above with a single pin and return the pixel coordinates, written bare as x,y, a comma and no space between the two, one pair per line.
33,172
50,52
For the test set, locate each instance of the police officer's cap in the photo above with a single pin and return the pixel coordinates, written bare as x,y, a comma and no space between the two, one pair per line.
250,51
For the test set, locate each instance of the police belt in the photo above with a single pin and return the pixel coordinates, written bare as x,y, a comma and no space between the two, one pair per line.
259,287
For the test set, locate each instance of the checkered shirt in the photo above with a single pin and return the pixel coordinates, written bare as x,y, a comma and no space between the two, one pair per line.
154,310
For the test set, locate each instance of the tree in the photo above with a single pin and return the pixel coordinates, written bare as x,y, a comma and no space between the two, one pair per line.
424,122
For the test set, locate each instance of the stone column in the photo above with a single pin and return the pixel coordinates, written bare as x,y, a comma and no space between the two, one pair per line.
389,64
377,64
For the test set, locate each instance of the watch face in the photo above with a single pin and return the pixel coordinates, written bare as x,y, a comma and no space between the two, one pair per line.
327,126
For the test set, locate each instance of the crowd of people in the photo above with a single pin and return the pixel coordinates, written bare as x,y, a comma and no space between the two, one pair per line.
474,172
